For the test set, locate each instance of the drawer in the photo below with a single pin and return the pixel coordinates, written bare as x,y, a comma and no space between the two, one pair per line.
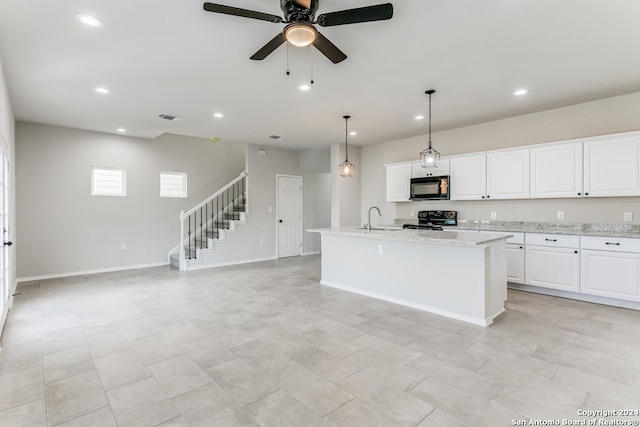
613,244
552,240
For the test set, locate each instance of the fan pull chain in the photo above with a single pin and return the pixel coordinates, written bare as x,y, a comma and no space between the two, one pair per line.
288,73
311,57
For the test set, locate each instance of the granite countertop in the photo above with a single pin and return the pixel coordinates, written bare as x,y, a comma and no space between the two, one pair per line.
586,229
446,237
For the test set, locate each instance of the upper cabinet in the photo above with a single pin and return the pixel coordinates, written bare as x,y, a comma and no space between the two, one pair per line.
604,166
468,177
508,174
556,170
611,167
417,171
398,177
495,175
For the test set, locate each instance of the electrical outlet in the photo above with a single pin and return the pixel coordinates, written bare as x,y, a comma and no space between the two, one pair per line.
412,214
261,241
560,214
493,215
123,246
380,250
628,216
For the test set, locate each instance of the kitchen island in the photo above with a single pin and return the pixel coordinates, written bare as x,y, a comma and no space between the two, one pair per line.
458,274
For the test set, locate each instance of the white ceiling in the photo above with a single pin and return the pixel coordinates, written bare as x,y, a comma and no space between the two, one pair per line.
170,56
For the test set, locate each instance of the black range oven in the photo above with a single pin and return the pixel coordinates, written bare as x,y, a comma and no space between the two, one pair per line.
434,220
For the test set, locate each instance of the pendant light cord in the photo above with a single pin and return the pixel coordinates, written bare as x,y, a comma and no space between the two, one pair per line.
430,120
346,142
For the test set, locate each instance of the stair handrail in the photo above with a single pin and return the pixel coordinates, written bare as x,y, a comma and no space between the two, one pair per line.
184,214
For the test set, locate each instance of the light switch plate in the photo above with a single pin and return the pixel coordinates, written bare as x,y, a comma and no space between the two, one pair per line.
560,214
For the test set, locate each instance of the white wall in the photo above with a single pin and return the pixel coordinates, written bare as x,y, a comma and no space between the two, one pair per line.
66,230
607,116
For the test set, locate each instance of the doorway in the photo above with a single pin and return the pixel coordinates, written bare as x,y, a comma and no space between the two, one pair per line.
289,215
6,293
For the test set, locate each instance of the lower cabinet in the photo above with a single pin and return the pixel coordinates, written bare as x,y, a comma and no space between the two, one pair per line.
515,258
552,261
610,268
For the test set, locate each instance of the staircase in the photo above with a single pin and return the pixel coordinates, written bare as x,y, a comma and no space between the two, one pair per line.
209,223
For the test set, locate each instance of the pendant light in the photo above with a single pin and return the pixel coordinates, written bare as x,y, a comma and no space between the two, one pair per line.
429,157
346,167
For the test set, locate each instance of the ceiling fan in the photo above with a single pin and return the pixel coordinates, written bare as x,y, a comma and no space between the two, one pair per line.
300,17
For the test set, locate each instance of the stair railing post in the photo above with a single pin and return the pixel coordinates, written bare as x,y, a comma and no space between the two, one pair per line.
183,263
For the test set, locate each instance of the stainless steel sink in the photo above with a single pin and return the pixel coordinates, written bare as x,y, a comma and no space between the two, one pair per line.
379,229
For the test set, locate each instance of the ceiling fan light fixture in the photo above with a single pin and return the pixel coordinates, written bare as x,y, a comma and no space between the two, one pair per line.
300,34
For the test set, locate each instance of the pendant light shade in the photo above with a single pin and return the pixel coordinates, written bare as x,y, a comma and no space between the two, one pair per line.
346,168
429,157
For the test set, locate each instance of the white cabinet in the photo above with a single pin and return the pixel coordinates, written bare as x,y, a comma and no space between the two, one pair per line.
398,177
468,177
556,170
515,258
499,175
417,171
611,166
610,267
552,261
508,174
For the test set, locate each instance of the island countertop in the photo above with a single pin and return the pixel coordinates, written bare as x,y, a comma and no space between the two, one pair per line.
444,237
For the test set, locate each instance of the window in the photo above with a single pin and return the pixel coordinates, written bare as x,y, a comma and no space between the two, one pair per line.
108,181
173,184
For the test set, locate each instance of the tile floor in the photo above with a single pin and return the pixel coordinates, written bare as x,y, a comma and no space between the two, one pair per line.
265,345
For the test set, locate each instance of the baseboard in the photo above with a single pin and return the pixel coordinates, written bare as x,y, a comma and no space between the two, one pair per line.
193,266
311,253
86,272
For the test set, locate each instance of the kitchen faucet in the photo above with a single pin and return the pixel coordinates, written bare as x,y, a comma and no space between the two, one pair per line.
369,216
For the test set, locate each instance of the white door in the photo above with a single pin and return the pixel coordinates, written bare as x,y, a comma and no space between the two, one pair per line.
6,291
289,216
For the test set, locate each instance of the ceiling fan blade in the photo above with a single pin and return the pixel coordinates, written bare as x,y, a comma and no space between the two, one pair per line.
328,49
378,12
304,3
236,11
269,47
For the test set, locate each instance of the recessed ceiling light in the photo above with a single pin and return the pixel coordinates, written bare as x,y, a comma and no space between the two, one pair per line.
213,139
121,130
102,90
89,20
218,115
419,117
304,87
353,133
521,92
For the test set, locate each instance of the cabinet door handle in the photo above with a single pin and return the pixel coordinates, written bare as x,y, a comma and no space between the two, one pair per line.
575,252
550,240
579,194
612,243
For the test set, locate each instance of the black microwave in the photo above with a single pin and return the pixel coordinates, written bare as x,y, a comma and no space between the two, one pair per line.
430,188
